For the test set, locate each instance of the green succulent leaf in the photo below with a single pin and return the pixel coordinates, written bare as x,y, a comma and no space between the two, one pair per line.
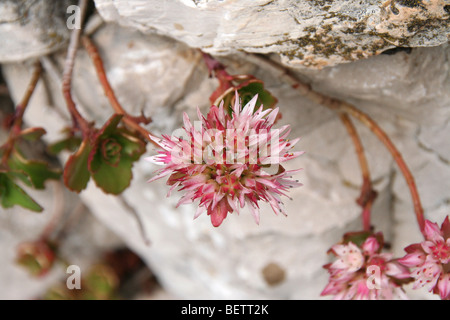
110,162
22,176
110,151
11,194
111,178
76,174
110,126
38,171
32,134
247,90
71,143
107,158
253,87
131,146
359,237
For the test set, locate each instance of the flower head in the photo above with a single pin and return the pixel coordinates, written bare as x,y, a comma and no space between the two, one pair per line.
430,259
363,272
228,160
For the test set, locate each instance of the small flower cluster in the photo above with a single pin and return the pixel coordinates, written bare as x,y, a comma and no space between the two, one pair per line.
230,160
430,260
362,272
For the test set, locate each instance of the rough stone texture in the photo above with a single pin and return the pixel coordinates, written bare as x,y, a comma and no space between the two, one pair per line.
305,33
408,94
31,28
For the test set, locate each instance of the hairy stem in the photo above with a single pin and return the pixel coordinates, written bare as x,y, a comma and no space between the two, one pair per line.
341,106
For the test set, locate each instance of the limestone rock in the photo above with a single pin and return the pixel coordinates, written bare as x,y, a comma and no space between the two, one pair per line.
305,33
30,28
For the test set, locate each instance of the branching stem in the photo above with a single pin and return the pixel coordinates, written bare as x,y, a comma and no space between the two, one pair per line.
344,107
368,194
78,121
19,112
132,122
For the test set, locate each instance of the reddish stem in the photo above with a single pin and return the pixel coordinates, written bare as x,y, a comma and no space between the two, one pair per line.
384,138
226,81
366,215
19,112
78,121
341,106
96,59
131,121
368,194
213,65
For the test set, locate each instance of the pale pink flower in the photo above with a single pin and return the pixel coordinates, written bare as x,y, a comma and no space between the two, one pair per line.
364,273
430,259
229,159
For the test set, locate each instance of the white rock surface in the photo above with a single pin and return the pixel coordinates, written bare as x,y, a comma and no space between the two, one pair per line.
30,28
305,33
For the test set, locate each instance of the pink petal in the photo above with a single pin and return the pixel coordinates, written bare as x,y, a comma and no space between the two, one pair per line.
396,270
159,141
272,116
445,228
199,211
233,205
362,291
444,287
432,231
413,259
250,106
176,184
254,210
160,175
333,288
426,276
217,198
219,213
342,249
237,104
186,198
427,246
187,122
371,245
413,248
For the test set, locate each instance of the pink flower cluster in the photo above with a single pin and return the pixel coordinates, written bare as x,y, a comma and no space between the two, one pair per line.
430,260
229,159
364,273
